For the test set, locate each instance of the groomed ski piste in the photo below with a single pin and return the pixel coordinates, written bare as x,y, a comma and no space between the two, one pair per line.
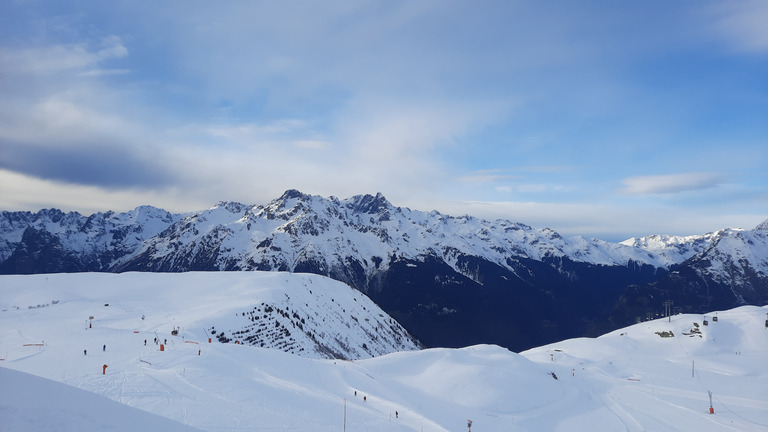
653,376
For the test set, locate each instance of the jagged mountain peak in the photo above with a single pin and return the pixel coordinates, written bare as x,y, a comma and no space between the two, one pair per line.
551,234
369,204
57,216
142,214
292,194
293,198
291,203
231,206
762,226
146,209
52,212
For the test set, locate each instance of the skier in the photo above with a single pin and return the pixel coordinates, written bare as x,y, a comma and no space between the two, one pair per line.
397,415
104,348
145,342
85,352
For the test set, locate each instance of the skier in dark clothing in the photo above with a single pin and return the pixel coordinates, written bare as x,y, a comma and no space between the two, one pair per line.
85,352
104,348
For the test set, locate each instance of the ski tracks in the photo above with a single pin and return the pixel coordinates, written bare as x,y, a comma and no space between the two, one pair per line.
631,424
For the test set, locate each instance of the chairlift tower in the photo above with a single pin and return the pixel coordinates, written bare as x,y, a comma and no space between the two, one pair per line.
668,309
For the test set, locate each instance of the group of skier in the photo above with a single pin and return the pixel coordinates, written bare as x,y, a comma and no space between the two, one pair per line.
104,348
157,341
365,399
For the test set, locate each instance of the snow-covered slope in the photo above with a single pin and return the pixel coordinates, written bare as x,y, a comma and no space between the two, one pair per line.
731,270
32,404
308,315
631,379
737,258
669,249
725,256
668,366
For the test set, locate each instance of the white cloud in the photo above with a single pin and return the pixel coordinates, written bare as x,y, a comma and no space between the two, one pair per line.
59,58
486,176
21,192
744,23
671,183
541,188
66,119
104,72
309,144
607,221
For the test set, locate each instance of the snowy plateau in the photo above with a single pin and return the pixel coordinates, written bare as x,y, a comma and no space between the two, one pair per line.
652,376
449,281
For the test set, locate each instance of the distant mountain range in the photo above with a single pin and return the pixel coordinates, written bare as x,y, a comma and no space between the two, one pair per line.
450,281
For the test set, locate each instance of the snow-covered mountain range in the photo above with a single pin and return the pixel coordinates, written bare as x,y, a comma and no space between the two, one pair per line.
451,281
296,228
656,375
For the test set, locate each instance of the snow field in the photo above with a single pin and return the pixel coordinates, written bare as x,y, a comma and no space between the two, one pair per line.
630,379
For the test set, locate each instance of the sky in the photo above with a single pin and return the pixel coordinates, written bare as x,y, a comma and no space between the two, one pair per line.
594,118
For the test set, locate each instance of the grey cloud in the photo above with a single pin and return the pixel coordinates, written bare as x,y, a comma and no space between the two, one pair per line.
107,166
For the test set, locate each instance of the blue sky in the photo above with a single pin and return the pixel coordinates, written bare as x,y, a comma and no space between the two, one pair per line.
595,118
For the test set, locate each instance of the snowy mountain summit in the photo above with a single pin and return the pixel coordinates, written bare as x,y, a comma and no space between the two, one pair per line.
451,281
